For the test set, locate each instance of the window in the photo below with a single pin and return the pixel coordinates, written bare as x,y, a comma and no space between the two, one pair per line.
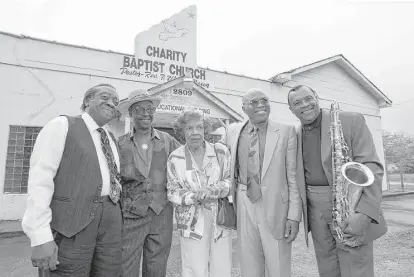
19,149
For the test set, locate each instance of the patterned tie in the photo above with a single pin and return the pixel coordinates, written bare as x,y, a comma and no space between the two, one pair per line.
115,190
253,168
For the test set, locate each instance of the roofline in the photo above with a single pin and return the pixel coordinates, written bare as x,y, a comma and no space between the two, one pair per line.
282,75
161,87
22,36
367,80
310,65
286,76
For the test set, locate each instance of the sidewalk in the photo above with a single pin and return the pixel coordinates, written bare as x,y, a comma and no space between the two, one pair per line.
395,189
10,228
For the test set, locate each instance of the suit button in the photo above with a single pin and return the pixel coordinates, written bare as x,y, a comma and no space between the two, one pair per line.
99,187
96,200
92,214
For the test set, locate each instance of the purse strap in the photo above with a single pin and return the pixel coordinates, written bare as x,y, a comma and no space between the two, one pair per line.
220,161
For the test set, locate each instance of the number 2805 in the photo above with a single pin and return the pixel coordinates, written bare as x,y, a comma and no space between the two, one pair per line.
182,92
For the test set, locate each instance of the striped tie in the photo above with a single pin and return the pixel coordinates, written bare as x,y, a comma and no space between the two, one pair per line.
253,168
115,190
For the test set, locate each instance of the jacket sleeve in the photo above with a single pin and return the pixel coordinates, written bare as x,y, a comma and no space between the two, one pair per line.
295,201
222,187
176,193
363,151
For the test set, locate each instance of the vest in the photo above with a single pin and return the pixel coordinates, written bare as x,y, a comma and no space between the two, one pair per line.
139,192
78,182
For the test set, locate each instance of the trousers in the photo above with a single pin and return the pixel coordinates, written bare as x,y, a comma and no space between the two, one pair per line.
96,250
334,261
259,252
148,237
196,255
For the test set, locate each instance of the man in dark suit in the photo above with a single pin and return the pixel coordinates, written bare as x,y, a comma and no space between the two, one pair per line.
314,177
73,217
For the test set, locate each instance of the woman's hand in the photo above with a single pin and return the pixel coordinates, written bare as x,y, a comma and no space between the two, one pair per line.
202,195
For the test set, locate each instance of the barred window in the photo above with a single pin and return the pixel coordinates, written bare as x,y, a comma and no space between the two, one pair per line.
19,149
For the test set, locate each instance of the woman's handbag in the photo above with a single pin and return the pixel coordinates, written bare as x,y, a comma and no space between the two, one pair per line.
226,215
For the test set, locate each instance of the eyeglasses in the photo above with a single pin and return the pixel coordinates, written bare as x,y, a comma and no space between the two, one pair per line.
141,110
198,128
255,102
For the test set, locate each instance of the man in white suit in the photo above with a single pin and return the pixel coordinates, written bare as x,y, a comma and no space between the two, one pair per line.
266,196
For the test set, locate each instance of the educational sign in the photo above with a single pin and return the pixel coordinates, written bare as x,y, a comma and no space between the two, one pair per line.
167,50
179,98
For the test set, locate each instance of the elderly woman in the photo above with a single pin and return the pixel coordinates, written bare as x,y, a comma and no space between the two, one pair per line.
198,174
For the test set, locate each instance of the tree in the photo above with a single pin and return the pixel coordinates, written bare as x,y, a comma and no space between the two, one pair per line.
399,150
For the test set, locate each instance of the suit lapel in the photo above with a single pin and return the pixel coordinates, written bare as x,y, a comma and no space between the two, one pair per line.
272,137
326,145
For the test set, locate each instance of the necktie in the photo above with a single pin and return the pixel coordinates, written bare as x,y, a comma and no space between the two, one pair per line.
253,168
115,190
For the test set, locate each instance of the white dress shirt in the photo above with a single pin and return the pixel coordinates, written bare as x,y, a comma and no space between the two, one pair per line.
44,163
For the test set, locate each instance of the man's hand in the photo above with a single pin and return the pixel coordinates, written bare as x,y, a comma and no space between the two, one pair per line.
356,224
291,230
44,256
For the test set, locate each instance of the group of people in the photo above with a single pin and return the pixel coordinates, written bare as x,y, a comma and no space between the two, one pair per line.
101,206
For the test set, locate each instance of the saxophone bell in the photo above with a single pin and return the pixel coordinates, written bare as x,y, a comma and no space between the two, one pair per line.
356,177
357,174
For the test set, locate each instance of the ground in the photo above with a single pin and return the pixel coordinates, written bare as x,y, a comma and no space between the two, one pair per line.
394,252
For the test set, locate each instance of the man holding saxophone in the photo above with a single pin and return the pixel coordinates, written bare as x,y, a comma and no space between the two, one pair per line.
347,251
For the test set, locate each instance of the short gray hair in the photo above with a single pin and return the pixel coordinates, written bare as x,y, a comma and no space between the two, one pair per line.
182,119
90,93
298,87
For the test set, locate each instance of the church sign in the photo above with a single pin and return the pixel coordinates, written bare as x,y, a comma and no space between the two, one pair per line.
166,51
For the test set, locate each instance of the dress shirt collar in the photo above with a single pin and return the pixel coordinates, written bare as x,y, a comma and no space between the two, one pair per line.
261,128
154,133
315,124
90,122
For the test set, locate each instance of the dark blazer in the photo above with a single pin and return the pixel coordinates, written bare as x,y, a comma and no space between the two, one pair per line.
362,150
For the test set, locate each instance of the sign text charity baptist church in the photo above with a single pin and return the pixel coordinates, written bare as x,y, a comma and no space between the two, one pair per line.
167,50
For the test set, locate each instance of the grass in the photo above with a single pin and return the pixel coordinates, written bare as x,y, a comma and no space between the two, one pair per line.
395,182
408,178
393,256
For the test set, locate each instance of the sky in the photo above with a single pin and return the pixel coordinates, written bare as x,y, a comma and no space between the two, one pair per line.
255,38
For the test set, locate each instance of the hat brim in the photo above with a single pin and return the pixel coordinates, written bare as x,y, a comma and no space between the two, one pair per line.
125,104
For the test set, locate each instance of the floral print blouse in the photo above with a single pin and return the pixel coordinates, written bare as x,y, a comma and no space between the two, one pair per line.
184,178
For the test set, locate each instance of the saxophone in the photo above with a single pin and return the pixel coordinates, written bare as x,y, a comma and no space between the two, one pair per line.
349,179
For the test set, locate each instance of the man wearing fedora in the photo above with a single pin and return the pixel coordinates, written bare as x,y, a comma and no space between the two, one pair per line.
147,213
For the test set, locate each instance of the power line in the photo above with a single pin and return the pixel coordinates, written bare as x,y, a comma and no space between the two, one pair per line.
403,102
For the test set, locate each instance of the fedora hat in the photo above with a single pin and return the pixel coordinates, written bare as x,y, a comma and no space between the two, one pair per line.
136,96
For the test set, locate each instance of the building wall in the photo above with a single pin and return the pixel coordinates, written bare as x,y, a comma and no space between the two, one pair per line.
41,80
